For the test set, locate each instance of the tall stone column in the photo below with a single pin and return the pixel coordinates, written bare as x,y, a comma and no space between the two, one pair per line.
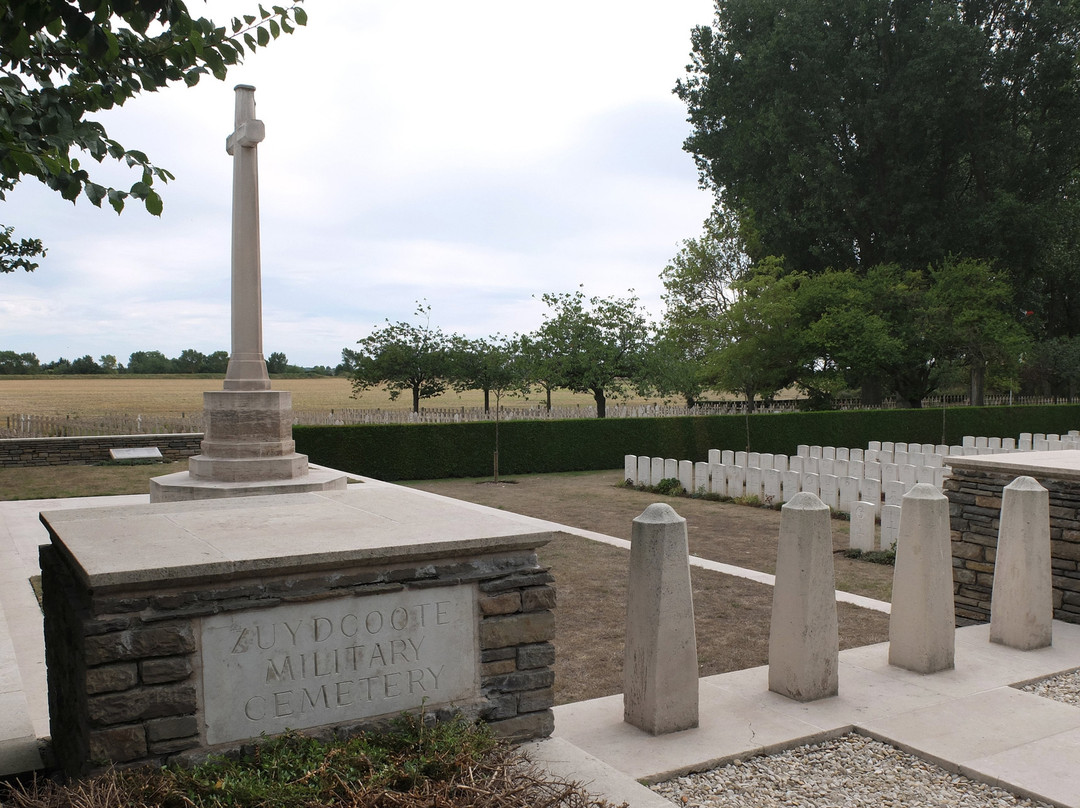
247,367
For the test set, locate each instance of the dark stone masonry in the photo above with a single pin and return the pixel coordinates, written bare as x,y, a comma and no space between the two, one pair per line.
16,452
975,508
134,677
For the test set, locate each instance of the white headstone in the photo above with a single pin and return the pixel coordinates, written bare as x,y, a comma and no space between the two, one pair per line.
717,480
715,456
789,484
890,526
656,473
686,475
701,477
630,469
644,470
863,515
671,468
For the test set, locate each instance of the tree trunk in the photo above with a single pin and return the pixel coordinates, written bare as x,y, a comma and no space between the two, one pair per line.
416,398
749,399
601,403
487,404
978,384
548,389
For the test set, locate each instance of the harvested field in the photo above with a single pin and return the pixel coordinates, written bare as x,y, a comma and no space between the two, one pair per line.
172,395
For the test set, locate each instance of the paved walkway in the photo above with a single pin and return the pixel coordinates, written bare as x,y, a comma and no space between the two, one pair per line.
969,720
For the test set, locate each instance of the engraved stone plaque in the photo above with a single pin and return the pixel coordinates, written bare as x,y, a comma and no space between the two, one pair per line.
303,665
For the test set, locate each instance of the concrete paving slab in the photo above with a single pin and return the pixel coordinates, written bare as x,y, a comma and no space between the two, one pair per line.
566,761
862,695
730,727
1047,769
975,726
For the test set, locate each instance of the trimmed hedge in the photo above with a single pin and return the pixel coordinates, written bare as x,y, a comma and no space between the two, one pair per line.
435,451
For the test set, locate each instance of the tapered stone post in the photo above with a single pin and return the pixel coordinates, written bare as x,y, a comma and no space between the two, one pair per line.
660,670
1022,604
922,626
247,367
804,645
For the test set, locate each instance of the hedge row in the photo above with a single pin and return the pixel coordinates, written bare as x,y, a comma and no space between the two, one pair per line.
434,451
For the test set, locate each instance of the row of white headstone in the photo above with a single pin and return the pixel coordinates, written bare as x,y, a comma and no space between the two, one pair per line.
866,484
660,683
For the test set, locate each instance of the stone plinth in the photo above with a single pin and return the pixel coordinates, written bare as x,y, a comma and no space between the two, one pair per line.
974,489
247,450
175,630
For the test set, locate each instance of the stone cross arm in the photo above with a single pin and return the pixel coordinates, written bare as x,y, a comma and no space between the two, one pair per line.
248,133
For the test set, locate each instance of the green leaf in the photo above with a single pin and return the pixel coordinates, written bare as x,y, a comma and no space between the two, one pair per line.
153,203
95,193
300,16
264,37
275,29
116,199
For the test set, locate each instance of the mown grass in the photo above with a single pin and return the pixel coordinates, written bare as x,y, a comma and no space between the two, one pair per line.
50,482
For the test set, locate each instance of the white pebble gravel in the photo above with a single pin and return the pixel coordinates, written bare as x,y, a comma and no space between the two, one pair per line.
1064,688
850,771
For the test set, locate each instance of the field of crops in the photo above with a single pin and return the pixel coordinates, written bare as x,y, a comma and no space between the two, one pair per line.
84,396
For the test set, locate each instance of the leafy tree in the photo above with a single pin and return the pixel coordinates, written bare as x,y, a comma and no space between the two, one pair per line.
17,254
859,133
277,362
108,364
538,366
402,356
11,362
149,362
596,345
85,365
759,351
189,361
971,306
493,366
217,362
62,62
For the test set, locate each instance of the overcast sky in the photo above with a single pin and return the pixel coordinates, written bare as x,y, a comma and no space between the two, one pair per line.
474,154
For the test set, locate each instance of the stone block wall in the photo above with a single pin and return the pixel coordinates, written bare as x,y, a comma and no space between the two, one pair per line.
125,666
975,510
92,449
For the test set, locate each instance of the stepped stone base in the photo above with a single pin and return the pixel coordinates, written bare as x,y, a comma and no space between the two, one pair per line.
247,451
182,487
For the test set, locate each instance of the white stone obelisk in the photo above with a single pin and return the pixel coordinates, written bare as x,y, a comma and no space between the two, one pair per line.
247,448
804,642
922,625
660,665
1022,603
247,367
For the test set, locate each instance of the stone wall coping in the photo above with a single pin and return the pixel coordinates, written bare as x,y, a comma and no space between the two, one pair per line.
109,439
1058,465
173,543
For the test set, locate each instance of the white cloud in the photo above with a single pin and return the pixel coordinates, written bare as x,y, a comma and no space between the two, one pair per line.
474,154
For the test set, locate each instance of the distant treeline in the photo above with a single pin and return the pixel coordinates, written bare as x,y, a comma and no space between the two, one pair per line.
144,362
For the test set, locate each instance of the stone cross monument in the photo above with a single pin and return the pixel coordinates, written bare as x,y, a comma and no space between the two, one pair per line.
247,449
247,368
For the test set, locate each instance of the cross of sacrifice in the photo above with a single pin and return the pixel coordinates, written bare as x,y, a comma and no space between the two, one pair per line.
247,367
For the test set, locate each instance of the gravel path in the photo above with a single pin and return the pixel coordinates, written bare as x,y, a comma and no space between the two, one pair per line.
1064,688
850,771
